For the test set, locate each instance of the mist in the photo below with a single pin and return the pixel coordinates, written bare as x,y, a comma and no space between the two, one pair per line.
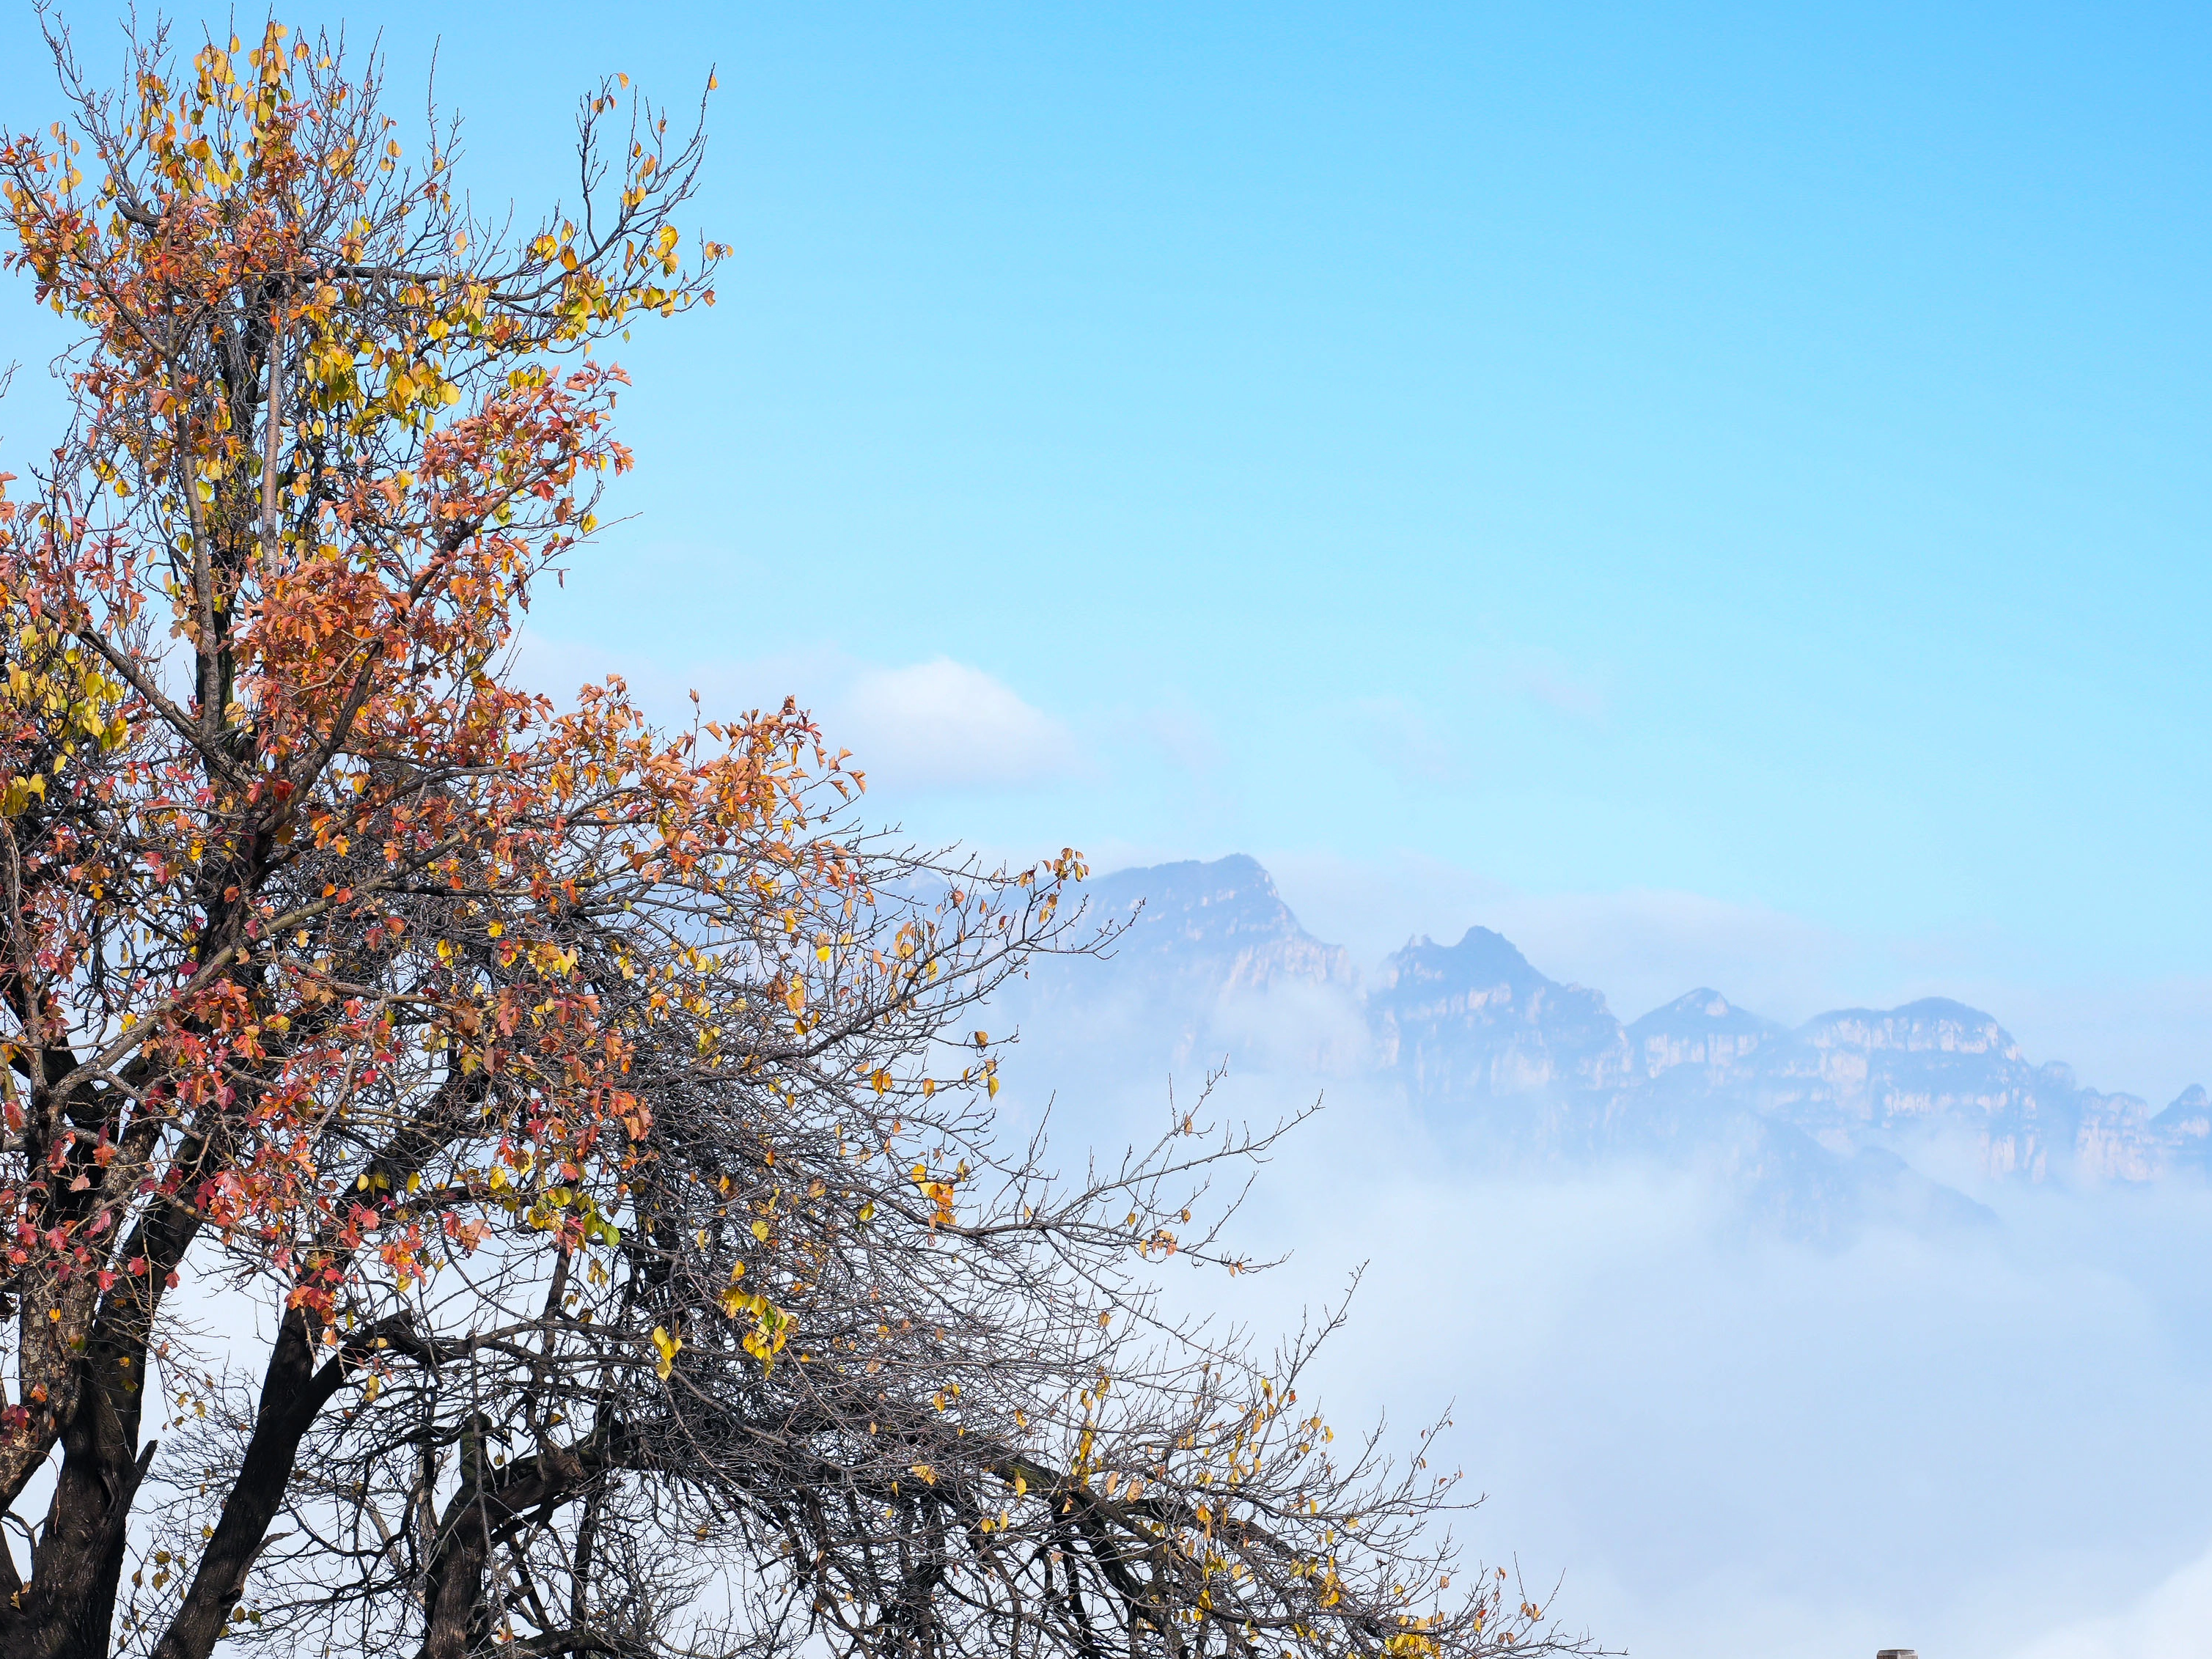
1985,1442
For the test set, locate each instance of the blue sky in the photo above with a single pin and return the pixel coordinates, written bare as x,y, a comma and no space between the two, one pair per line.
1719,491
1720,496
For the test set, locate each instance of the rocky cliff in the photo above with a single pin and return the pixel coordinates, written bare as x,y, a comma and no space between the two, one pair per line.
1851,1079
1475,1019
1195,957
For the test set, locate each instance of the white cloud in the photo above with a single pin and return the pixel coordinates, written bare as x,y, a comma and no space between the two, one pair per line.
1564,694
2174,1622
934,725
1545,678
1726,1445
1182,733
1404,738
943,724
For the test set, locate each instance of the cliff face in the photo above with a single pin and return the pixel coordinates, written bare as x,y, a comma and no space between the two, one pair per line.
2186,1127
1701,1031
1851,1079
1221,922
1475,1019
1929,1065
1205,962
1211,963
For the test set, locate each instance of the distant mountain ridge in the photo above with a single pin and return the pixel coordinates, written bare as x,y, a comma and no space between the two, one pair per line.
1478,1037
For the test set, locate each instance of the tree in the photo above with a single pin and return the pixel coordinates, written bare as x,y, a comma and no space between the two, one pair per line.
593,1108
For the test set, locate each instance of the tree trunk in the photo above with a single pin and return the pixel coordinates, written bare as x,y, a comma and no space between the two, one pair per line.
66,1610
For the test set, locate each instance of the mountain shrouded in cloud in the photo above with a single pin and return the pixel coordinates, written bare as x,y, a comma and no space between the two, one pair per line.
1474,1020
1195,952
1817,1128
1779,1339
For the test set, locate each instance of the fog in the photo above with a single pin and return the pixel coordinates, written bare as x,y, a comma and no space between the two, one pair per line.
1982,1444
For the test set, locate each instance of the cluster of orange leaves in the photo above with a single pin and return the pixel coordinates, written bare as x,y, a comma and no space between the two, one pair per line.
345,623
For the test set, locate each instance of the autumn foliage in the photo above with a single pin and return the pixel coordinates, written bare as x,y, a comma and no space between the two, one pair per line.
592,1108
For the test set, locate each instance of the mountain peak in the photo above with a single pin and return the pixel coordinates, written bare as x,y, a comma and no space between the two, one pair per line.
1930,1023
1703,1010
1236,894
1701,1029
1482,959
1486,950
1215,915
1237,871
2192,1105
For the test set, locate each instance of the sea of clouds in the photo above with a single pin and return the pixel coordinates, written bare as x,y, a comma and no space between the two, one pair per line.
1987,1443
